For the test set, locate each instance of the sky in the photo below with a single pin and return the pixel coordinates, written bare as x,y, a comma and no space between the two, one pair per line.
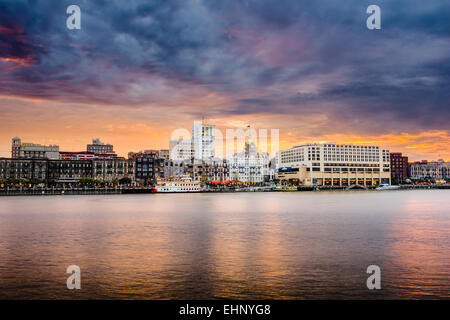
138,70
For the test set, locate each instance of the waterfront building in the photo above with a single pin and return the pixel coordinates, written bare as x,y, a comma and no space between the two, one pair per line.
69,171
99,147
149,165
27,150
113,169
174,169
217,170
203,140
249,165
180,149
198,170
429,171
399,168
334,165
208,170
23,169
84,155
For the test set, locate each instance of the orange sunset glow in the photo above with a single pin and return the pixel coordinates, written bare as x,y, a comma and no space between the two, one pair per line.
132,83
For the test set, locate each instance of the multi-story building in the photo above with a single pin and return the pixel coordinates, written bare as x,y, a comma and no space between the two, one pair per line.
99,147
334,165
217,170
174,169
84,155
249,165
69,171
27,150
113,169
203,140
208,171
149,165
180,149
430,171
399,168
23,169
198,170
63,171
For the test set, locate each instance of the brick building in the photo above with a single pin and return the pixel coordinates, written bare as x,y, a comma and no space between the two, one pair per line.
149,165
399,168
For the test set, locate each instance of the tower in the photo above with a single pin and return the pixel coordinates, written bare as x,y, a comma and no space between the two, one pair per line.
203,140
15,147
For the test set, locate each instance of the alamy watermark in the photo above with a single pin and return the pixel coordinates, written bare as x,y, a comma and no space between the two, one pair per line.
74,280
374,280
220,145
73,22
374,20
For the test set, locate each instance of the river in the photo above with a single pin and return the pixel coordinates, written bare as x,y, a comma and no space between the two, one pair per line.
298,245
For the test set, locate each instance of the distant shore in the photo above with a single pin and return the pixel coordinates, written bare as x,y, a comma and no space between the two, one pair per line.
143,190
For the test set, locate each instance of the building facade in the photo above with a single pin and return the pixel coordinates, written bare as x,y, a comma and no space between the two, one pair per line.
249,166
27,150
23,169
203,141
84,155
113,169
180,149
334,165
99,147
399,168
198,170
69,171
149,165
174,169
208,170
430,171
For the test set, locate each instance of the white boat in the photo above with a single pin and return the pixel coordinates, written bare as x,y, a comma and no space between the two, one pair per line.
384,186
176,186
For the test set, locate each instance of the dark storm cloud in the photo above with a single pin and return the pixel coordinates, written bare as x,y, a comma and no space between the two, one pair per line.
280,57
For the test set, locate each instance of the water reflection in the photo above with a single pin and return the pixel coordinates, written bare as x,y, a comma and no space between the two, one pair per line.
249,245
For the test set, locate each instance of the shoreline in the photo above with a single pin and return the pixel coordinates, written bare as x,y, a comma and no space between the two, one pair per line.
118,191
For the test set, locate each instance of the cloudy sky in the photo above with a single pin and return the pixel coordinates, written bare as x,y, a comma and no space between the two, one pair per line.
137,70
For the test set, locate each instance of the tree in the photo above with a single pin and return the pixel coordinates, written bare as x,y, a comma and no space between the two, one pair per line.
124,181
50,182
14,182
86,182
35,181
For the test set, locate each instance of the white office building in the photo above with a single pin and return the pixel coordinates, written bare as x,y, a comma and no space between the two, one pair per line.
203,143
336,165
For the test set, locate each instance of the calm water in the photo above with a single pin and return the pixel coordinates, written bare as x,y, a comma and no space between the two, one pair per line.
246,245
